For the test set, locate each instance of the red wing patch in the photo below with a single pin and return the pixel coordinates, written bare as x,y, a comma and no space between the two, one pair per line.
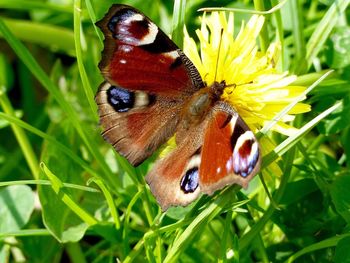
230,153
139,56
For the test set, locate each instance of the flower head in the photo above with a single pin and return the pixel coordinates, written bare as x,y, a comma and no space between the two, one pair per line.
255,89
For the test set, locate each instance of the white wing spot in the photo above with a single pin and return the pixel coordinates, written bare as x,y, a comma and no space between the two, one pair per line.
248,135
136,17
106,86
151,36
195,161
141,99
172,54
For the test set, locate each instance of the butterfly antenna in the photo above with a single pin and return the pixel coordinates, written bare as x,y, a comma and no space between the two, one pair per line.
235,85
218,56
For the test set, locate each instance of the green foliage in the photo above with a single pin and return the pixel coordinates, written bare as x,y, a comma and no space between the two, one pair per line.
65,195
17,204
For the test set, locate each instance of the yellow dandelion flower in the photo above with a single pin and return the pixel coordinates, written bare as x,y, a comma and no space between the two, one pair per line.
257,90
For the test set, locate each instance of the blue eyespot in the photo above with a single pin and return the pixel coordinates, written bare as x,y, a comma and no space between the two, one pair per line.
120,99
189,182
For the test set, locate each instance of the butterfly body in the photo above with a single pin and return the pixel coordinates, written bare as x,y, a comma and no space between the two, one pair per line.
152,92
200,103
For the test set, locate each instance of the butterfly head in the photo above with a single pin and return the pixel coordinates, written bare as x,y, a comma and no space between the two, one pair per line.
216,89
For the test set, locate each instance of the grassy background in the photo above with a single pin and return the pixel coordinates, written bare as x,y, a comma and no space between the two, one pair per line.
66,196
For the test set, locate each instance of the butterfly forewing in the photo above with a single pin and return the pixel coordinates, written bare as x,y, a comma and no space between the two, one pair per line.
137,55
134,122
147,81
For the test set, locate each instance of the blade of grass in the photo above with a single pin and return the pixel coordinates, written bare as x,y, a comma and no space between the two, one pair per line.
78,49
248,237
288,143
75,252
59,38
93,18
323,29
198,222
178,21
226,232
135,252
264,34
126,247
330,242
62,147
35,5
291,141
20,135
239,10
57,186
27,233
23,53
279,28
295,10
309,78
159,249
45,182
282,113
110,201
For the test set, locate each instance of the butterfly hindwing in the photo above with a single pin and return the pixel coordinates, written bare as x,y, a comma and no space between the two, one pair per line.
230,152
174,179
220,151
148,79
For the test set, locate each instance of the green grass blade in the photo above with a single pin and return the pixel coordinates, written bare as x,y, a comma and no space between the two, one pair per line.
298,34
93,18
78,48
46,182
23,53
278,6
323,29
264,35
330,242
288,143
178,21
20,135
283,112
279,30
198,222
57,186
51,139
249,237
35,5
58,38
26,233
110,201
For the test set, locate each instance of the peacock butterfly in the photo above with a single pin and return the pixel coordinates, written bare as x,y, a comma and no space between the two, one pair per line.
151,92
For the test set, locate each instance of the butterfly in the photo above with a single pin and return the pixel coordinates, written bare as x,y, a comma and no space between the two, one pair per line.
152,92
